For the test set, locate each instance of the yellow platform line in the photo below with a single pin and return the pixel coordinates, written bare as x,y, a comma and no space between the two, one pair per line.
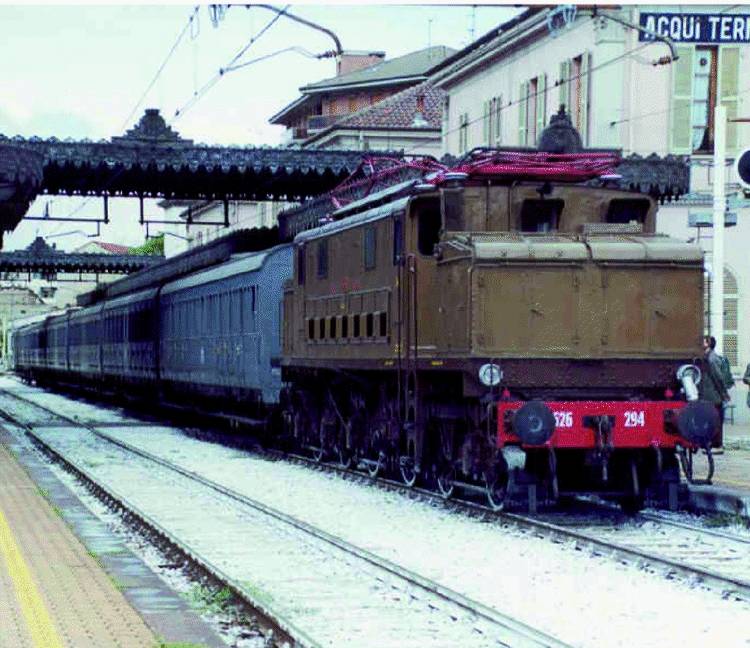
38,620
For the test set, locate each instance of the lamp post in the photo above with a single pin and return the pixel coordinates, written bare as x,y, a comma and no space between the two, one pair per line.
717,288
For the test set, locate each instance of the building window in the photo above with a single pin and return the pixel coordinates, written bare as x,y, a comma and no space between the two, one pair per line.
532,109
369,235
463,133
730,318
730,315
496,131
531,93
702,78
574,92
704,99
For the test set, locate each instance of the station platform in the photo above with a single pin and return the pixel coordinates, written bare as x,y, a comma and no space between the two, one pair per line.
59,591
730,491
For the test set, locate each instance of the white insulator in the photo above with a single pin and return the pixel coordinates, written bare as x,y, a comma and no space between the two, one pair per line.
690,377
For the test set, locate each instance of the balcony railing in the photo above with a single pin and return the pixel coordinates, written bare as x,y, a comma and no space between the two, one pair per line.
319,122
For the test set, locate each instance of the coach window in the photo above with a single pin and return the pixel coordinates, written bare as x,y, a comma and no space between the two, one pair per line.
369,235
332,327
311,329
356,325
383,324
322,328
368,326
323,259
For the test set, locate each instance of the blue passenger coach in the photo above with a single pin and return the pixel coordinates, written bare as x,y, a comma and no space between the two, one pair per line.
213,334
220,328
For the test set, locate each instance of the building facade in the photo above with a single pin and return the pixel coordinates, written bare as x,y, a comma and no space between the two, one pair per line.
193,224
623,90
364,81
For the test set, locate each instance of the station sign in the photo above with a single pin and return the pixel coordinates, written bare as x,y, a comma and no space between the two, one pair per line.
697,27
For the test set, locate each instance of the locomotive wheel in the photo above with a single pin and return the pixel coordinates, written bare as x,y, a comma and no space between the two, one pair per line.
496,489
344,457
407,470
376,465
446,480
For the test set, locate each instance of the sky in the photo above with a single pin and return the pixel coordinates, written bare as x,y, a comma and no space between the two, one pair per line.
81,72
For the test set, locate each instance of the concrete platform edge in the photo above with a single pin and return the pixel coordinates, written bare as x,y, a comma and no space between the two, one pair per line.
163,610
716,499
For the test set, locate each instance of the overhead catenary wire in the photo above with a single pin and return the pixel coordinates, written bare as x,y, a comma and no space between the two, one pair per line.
222,70
187,27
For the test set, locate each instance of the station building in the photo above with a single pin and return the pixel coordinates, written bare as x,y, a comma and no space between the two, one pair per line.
623,91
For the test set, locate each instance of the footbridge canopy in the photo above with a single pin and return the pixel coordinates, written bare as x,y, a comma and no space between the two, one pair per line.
152,160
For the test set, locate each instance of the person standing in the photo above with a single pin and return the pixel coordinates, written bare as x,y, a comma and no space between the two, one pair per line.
746,380
713,389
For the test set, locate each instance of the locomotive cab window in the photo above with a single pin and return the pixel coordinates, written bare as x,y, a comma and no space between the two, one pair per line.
301,265
323,259
369,235
628,211
428,229
541,215
398,239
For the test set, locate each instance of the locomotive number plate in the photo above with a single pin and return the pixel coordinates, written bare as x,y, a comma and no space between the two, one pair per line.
563,419
635,418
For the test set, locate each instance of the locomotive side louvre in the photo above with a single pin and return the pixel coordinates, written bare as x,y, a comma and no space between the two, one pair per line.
342,302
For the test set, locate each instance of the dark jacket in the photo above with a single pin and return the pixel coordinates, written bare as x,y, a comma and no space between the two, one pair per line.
712,385
746,380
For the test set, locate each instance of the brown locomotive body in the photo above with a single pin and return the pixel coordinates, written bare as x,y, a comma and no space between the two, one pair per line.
422,317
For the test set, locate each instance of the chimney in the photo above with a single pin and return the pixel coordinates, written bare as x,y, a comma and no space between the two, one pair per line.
352,60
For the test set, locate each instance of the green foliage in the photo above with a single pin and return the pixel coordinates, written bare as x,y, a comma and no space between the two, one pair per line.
209,599
152,246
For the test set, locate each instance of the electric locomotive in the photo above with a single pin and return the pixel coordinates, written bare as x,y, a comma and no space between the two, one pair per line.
512,325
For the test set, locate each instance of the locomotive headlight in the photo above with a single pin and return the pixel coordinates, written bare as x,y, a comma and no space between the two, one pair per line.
534,423
490,375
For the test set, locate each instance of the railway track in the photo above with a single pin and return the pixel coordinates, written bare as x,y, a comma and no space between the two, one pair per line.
415,610
717,559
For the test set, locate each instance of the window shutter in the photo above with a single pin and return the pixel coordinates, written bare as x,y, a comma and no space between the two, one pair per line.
682,98
585,92
498,118
541,105
729,65
522,110
486,123
565,85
